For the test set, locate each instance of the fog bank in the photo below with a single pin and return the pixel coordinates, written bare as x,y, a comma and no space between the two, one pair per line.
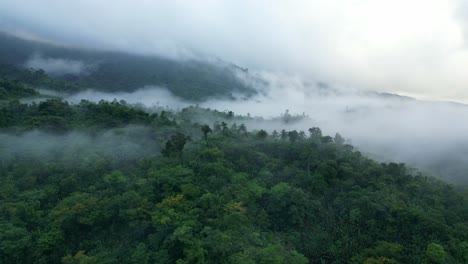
58,66
78,148
413,47
388,127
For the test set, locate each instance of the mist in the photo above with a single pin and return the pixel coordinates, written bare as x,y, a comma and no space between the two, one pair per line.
58,66
416,48
390,128
78,148
331,61
148,96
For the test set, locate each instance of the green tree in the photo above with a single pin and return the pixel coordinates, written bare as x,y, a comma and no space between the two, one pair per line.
315,133
338,139
293,136
262,134
79,258
205,130
176,144
436,253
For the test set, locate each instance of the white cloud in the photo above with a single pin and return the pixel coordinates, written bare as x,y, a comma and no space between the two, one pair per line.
58,66
428,135
412,47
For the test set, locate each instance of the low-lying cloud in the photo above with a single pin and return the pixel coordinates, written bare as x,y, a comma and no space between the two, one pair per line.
79,148
150,96
411,47
58,66
423,134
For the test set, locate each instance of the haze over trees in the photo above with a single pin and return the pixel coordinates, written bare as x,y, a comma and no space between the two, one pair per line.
114,72
115,182
235,196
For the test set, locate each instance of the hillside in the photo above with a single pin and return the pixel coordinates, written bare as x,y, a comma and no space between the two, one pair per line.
233,132
109,183
72,70
96,181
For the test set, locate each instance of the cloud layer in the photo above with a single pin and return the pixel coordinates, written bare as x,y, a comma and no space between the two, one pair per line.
411,47
116,145
58,66
428,135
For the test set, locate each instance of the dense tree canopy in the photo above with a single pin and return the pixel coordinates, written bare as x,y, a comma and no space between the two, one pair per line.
237,196
110,182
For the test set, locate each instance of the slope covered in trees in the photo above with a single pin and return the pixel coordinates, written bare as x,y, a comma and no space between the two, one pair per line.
110,183
15,90
113,71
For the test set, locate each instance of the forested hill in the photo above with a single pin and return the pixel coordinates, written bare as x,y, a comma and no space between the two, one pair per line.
110,183
72,70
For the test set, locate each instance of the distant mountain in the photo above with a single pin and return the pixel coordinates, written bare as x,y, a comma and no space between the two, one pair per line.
394,96
79,69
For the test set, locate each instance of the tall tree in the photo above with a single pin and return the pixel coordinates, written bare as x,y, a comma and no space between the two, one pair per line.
293,136
262,134
176,144
339,140
205,130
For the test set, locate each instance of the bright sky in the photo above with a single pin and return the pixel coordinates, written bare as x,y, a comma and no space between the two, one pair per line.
411,47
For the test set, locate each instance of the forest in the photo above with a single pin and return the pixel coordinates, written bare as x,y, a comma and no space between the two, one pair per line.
113,71
109,182
115,182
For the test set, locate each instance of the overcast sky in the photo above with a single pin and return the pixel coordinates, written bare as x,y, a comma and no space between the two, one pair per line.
411,47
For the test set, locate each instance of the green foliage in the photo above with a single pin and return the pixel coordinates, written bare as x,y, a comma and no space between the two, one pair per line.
262,134
79,258
36,78
14,90
436,253
176,144
112,72
56,115
205,130
235,196
315,132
